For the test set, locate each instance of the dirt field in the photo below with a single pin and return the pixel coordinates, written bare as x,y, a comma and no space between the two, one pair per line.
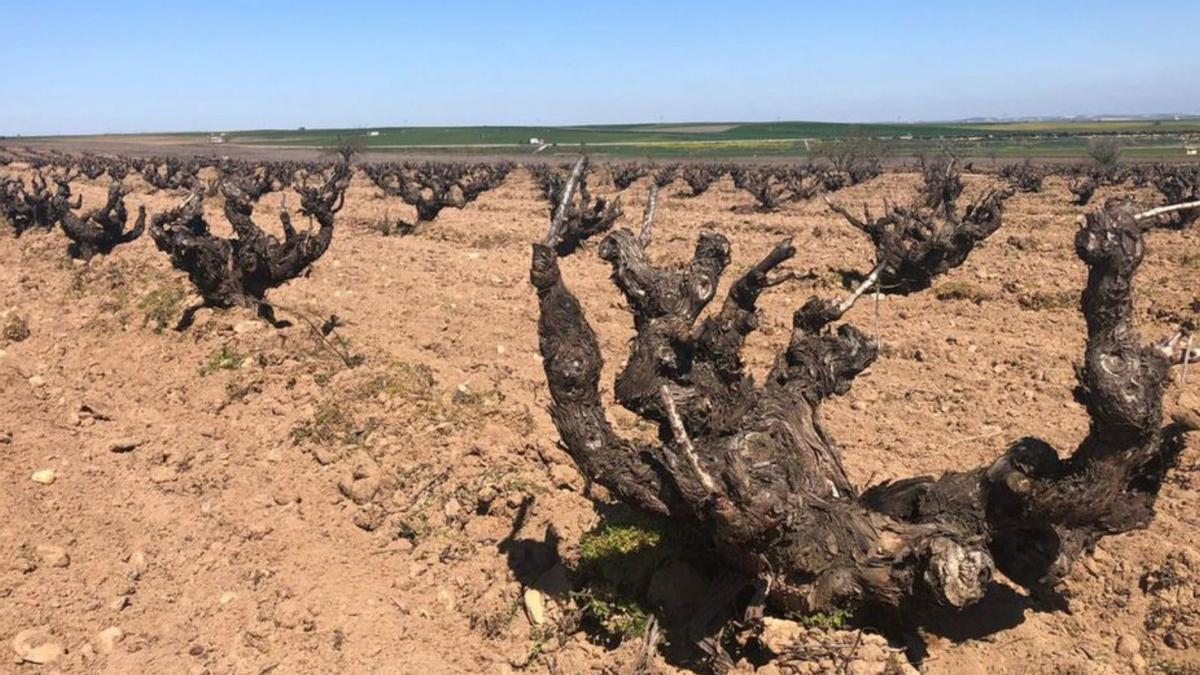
234,500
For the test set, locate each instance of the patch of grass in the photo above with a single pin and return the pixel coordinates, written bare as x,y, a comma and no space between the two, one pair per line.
467,398
225,358
961,290
161,306
611,541
616,616
331,423
1039,301
385,226
835,620
403,380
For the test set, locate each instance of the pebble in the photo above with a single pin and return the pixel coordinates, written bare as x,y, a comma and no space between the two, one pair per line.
452,508
44,477
37,381
326,456
485,497
1128,645
124,444
36,645
137,564
243,327
228,597
54,556
106,640
780,634
535,606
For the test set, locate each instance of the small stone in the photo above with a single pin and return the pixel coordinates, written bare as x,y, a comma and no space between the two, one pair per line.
535,606
564,477
452,508
359,490
36,645
54,556
44,477
45,654
1128,645
368,519
137,564
119,603
780,634
243,327
227,597
1138,663
124,444
326,456
485,497
37,381
106,640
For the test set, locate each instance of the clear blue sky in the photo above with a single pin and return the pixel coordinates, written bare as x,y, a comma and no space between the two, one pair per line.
156,66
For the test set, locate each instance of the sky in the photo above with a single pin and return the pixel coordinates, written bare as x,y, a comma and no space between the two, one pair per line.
74,67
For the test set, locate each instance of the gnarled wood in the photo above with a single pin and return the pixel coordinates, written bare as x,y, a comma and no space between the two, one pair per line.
102,230
240,271
751,467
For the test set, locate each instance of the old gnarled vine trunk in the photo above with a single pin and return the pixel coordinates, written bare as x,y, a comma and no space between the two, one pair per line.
751,467
239,271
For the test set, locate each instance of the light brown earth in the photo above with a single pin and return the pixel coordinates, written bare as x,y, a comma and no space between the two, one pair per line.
255,527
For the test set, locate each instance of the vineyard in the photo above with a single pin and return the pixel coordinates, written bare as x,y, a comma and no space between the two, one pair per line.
580,415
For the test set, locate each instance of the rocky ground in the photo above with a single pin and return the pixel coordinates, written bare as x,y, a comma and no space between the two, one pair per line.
236,499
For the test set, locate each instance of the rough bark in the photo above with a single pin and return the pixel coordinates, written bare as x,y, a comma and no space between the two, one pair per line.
624,175
39,206
1178,184
1082,188
1024,177
432,186
103,229
752,468
239,271
700,176
914,244
578,215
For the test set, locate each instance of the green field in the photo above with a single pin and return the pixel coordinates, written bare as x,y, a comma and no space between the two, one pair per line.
1142,139
1145,139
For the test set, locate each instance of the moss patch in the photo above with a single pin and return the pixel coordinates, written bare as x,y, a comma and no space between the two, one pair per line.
162,306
